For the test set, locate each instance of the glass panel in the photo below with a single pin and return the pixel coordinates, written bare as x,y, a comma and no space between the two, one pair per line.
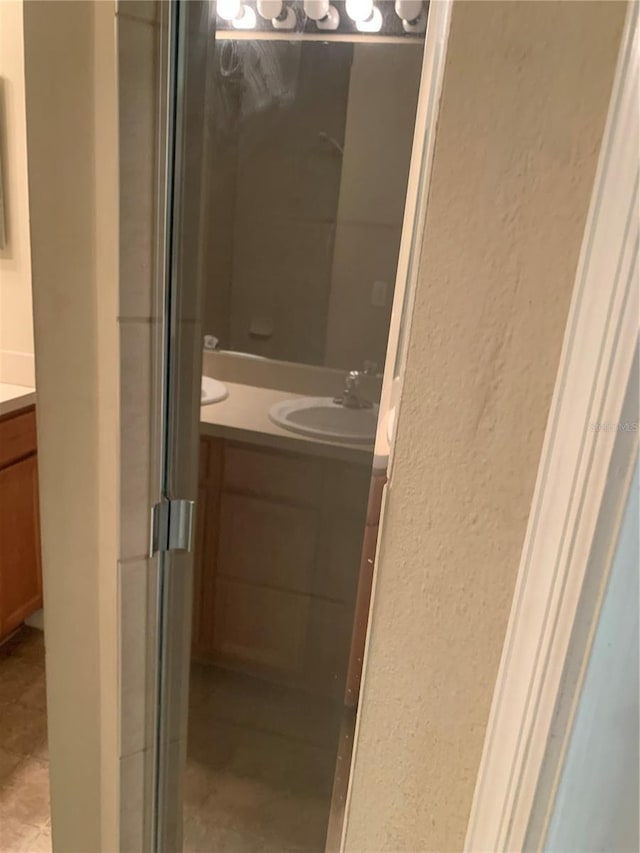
293,136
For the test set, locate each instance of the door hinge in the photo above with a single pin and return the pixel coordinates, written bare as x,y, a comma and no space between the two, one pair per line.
172,526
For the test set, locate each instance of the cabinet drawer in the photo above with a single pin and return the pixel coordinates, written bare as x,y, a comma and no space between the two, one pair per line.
17,437
267,543
273,475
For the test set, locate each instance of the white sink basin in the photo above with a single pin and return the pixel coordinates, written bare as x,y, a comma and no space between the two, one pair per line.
320,417
212,391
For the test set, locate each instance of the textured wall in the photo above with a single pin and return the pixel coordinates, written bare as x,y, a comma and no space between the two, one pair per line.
526,89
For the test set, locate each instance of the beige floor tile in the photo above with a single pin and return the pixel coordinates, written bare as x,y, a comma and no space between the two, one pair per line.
9,761
29,645
25,797
260,767
22,730
15,837
297,823
35,696
199,781
16,676
242,805
24,778
203,837
41,843
284,764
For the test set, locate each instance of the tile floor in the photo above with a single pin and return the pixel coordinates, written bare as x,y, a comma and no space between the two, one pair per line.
261,762
24,764
260,766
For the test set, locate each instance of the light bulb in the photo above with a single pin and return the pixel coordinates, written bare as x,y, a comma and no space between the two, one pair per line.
359,10
286,20
372,24
408,10
331,20
269,8
228,9
316,9
246,20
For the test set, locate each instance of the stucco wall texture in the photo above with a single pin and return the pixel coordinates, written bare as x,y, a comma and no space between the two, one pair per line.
526,90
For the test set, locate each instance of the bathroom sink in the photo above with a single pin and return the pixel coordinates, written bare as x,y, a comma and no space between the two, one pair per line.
212,391
320,417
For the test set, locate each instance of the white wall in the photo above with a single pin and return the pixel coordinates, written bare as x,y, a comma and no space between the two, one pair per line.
16,320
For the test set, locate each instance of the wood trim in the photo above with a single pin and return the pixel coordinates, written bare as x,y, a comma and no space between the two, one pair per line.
594,373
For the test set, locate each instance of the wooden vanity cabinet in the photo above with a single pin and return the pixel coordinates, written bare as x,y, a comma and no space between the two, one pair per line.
278,543
20,565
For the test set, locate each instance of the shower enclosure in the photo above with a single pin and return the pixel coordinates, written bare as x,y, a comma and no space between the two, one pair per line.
285,135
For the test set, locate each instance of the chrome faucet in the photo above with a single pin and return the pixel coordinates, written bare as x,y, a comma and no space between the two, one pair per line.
350,397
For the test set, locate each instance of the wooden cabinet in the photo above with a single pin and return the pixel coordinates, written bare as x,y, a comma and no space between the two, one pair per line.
278,545
20,567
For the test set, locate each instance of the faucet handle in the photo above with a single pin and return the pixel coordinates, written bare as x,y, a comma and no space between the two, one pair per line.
352,380
351,395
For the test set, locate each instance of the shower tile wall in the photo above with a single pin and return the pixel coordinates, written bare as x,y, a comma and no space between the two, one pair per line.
138,34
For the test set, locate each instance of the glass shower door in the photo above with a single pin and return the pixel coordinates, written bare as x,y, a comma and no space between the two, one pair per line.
185,29
288,130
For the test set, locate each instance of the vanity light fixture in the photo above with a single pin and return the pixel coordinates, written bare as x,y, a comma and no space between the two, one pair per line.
367,17
246,20
239,14
269,8
282,17
323,13
410,12
372,24
286,20
359,10
316,9
228,10
399,20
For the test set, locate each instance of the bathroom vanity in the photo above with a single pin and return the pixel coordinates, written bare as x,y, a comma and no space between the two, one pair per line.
20,565
279,543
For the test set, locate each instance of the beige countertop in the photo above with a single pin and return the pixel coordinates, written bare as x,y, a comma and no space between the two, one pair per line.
244,416
15,397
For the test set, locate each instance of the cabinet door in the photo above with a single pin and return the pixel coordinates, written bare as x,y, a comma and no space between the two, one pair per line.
20,572
267,543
